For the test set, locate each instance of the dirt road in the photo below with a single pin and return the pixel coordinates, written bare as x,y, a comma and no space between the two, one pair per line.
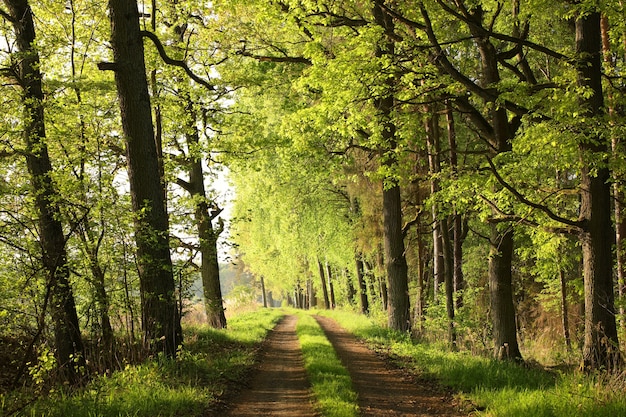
279,386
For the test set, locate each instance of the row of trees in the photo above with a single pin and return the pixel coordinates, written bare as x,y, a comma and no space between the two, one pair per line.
444,155
85,259
492,126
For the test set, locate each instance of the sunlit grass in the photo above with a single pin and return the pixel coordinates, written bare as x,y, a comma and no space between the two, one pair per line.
329,380
498,389
185,387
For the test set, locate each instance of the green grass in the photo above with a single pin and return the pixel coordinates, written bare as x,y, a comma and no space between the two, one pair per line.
497,388
185,387
329,380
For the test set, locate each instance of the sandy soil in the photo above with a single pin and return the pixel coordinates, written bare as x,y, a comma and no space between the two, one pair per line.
279,387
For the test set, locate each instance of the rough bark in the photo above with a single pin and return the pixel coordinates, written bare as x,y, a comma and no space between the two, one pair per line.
501,252
160,318
68,341
207,234
398,311
600,348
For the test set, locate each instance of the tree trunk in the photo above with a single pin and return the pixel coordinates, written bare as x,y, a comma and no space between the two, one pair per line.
160,318
207,234
68,341
360,274
320,267
448,281
618,180
601,347
331,287
432,142
501,251
564,310
381,278
263,294
458,235
398,312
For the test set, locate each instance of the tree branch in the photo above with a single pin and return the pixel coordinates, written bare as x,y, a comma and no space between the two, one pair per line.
546,210
175,62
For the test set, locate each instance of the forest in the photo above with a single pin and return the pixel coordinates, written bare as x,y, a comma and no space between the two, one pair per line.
453,168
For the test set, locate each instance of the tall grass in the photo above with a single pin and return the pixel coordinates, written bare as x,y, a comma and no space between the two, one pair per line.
499,389
329,380
188,386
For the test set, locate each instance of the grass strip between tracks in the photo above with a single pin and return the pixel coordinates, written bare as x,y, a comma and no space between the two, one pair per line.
329,379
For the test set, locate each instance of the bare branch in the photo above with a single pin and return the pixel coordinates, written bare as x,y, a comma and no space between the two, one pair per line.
175,62
545,209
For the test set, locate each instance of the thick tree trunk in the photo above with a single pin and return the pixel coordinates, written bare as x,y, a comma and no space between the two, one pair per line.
501,252
601,347
398,312
501,291
160,318
68,341
399,317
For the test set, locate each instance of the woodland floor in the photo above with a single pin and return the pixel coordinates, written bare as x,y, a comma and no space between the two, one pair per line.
278,386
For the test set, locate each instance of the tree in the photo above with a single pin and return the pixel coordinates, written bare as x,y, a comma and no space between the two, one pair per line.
160,318
59,295
601,347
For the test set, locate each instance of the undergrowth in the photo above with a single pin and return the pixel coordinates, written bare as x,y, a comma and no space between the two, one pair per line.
495,388
187,386
329,379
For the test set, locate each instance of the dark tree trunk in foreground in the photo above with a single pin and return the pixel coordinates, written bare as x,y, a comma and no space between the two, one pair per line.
601,348
501,291
501,251
68,341
398,311
160,318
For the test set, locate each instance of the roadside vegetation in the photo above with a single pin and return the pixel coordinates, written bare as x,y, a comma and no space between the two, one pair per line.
329,379
213,361
190,385
497,388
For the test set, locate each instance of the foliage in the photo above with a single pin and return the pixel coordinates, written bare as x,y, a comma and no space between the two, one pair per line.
498,388
189,385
